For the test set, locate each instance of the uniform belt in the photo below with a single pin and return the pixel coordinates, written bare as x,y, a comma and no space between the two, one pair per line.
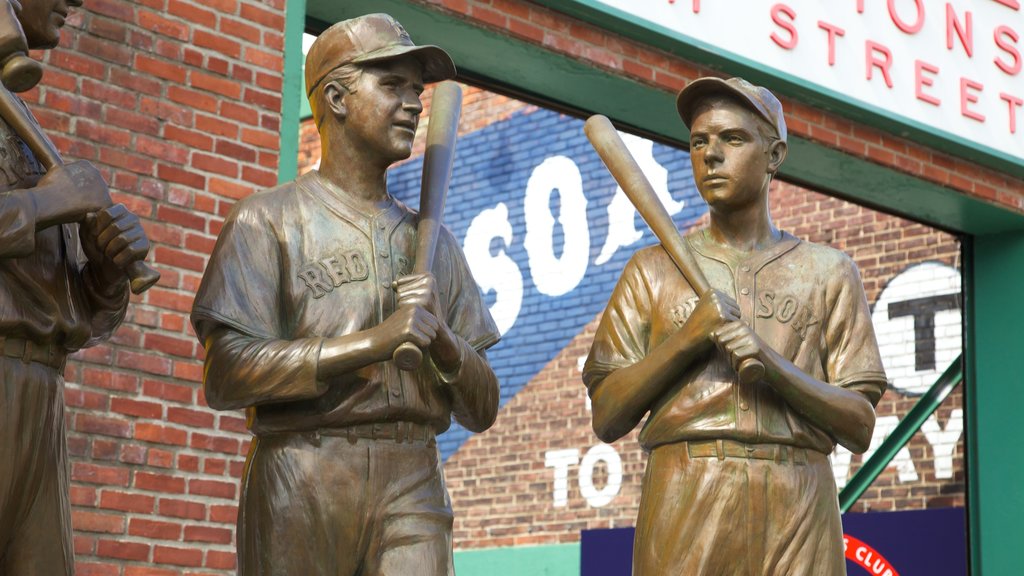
398,431
723,449
29,351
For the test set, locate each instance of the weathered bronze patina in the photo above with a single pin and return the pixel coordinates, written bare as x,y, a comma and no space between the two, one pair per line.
63,251
308,294
738,479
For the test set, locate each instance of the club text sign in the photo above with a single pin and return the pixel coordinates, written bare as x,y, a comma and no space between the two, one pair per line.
952,68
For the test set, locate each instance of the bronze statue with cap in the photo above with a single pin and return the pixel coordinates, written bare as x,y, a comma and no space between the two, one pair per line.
65,255
308,294
738,479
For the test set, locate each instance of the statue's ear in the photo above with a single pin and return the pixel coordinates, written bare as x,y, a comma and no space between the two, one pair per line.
334,98
776,155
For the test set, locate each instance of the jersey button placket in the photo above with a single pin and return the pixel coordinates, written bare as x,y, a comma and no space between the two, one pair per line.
746,419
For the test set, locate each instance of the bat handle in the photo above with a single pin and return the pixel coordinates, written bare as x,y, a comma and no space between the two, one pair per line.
408,356
141,276
751,370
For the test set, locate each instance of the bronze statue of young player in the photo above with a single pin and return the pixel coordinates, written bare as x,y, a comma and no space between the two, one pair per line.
306,298
63,251
738,479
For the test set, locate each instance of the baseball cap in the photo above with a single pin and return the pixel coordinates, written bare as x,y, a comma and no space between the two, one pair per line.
368,39
756,98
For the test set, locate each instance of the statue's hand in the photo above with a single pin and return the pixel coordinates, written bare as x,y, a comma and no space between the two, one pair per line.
418,290
407,324
75,189
739,342
113,238
714,310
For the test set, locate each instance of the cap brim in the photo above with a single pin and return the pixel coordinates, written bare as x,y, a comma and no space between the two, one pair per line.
703,87
437,64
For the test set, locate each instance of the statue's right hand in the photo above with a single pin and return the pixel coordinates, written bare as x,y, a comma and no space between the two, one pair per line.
714,310
407,324
79,187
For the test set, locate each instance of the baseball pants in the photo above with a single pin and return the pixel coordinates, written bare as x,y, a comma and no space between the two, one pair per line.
706,515
323,505
35,531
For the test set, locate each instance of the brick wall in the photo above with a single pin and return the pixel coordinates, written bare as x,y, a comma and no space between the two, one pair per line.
177,102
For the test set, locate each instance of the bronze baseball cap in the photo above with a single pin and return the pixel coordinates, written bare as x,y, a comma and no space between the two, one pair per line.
756,98
368,39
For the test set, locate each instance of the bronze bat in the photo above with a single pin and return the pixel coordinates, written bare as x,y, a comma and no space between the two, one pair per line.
613,152
445,109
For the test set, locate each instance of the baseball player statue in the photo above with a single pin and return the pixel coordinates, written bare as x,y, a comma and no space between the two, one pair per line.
64,249
307,296
738,479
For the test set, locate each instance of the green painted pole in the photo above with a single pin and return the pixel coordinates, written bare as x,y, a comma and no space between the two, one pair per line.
904,431
292,94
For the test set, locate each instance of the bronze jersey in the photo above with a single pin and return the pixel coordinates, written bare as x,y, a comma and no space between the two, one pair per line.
297,264
45,294
804,300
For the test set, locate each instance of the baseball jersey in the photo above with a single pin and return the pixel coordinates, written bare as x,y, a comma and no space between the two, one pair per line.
804,300
46,294
297,264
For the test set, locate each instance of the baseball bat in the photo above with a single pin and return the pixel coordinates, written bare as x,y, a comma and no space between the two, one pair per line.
141,276
623,167
445,109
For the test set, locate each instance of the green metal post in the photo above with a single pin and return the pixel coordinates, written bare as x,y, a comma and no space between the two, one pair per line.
291,97
904,431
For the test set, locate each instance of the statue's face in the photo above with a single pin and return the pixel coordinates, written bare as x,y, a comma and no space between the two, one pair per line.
42,20
383,108
730,157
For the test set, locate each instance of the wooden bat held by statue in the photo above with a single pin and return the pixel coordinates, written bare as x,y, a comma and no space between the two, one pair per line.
445,109
623,167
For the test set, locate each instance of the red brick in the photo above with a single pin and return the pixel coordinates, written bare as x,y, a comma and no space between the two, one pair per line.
167,391
191,138
197,100
212,488
160,68
149,571
170,300
144,362
83,496
77,398
170,344
215,164
83,568
182,509
190,417
217,126
180,176
177,556
97,522
217,42
153,22
207,534
188,371
124,550
220,560
160,434
132,407
192,13
230,188
159,483
155,529
217,85
221,444
240,29
96,474
127,502
179,259
95,424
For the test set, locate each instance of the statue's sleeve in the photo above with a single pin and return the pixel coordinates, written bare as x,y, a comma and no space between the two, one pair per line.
623,335
237,316
17,224
475,389
853,359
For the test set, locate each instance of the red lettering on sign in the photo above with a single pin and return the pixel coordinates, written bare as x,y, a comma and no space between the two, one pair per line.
832,30
860,6
1001,34
867,557
1010,3
901,24
966,97
964,30
1013,102
920,81
871,61
778,11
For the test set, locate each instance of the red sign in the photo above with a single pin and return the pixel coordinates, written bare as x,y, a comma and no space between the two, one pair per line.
867,557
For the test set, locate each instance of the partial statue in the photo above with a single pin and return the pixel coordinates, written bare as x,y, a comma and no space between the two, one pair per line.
67,253
750,353
349,327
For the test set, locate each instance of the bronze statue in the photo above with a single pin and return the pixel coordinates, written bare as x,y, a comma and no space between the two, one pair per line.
308,295
748,384
65,250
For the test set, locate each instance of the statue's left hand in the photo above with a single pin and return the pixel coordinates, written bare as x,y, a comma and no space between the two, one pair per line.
113,238
421,290
739,342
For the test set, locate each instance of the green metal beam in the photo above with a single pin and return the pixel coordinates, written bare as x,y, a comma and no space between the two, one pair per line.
904,431
291,93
